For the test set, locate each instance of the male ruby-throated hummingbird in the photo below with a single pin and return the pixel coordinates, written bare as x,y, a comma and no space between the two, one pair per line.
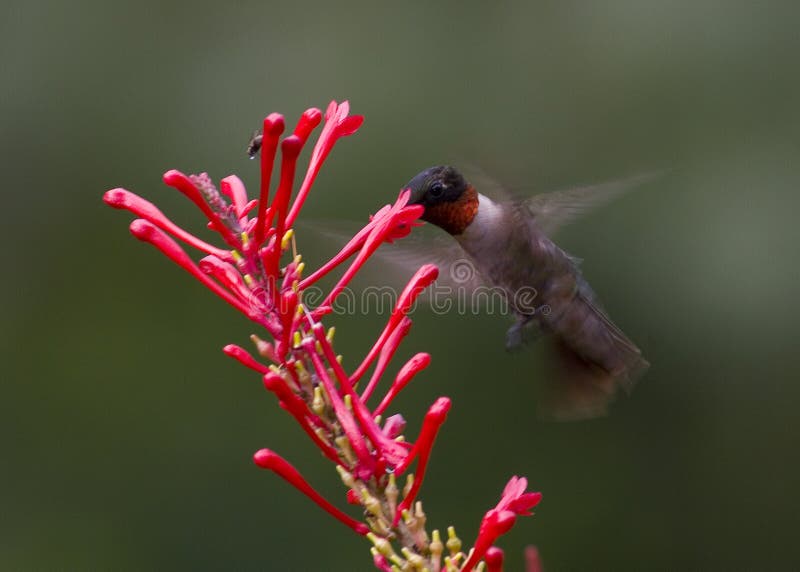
509,244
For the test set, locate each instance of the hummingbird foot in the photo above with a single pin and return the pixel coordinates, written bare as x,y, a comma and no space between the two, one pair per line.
520,333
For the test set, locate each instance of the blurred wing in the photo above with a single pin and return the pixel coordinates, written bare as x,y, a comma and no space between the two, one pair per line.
430,246
553,210
394,264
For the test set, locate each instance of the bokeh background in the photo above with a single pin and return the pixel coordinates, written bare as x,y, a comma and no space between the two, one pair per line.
126,433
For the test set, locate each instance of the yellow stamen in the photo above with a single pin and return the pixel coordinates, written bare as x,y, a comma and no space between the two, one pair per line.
453,541
287,236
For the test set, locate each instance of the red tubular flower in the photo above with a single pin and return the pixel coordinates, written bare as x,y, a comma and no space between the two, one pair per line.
298,409
386,353
394,426
147,232
233,188
227,275
290,150
381,562
307,123
243,357
387,449
406,374
494,559
400,217
532,561
273,127
185,185
383,229
346,252
421,280
337,124
351,429
422,448
499,520
122,199
267,459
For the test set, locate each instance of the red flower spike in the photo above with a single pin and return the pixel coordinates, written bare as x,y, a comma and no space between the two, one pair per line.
298,409
533,562
494,559
184,184
386,354
242,356
267,459
271,132
422,448
123,199
337,124
406,374
421,280
253,279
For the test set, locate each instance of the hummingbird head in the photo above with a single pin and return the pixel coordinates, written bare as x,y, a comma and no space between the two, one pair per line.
450,202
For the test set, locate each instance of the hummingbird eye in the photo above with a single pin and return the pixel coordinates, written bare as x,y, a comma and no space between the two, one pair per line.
436,189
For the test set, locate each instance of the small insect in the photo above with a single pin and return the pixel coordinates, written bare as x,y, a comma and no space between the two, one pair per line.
254,145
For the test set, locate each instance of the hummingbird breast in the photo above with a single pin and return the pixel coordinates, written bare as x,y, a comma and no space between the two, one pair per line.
510,253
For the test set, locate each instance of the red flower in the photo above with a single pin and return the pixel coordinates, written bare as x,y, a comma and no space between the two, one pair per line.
514,502
252,273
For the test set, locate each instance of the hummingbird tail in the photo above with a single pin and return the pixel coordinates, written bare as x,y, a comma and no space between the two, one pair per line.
594,360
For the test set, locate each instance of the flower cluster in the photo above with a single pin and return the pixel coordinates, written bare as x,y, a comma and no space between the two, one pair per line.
260,274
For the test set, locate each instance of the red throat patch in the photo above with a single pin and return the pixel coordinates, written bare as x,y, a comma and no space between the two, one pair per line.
456,216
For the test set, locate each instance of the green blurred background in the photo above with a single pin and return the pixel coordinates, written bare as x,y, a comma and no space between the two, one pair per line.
126,433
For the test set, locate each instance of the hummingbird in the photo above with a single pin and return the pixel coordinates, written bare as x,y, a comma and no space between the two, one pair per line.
509,244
